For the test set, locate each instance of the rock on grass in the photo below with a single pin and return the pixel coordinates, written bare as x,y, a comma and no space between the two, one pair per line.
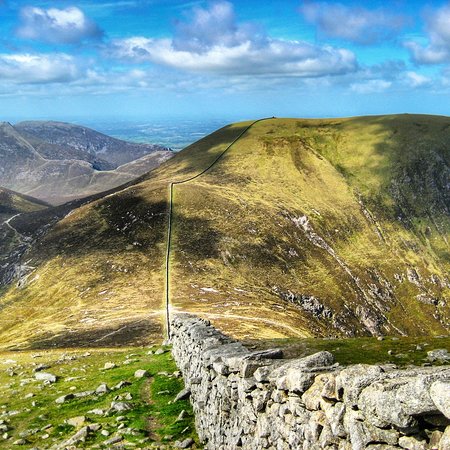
141,373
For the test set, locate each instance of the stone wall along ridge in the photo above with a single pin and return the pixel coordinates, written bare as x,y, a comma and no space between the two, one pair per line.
256,400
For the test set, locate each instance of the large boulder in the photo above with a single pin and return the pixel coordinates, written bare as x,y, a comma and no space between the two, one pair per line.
440,394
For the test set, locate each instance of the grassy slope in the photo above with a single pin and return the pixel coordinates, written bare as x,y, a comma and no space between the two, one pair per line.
152,418
14,203
373,190
403,352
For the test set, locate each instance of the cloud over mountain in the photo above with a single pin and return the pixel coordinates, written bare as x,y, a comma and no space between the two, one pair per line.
214,42
57,26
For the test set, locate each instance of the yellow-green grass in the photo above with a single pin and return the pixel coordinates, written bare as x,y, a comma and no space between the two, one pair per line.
153,416
401,352
14,203
373,190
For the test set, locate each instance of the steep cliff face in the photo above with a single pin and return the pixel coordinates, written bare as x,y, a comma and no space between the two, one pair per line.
303,228
58,162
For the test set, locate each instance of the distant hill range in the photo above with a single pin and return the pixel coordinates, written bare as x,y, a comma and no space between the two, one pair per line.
322,228
57,162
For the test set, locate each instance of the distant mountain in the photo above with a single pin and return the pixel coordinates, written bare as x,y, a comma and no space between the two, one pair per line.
57,162
336,227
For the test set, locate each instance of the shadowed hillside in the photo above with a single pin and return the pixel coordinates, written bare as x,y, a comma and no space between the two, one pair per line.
303,228
12,203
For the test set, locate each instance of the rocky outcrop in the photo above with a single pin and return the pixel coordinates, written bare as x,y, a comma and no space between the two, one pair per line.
255,400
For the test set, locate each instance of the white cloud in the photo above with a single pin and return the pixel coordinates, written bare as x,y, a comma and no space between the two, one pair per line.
214,27
438,49
276,57
359,25
415,79
371,86
60,26
213,42
24,68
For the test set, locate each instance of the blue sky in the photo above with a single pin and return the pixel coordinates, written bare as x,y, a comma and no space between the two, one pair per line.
129,59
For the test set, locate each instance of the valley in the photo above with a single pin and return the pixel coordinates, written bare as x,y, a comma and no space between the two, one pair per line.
57,162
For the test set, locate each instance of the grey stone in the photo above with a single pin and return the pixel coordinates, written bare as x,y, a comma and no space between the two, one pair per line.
444,443
411,443
249,367
109,366
261,355
41,367
187,443
304,404
262,374
121,406
113,440
141,373
312,397
64,398
94,427
440,394
122,384
84,394
79,436
398,400
221,368
182,395
45,376
362,433
352,380
440,354
97,412
102,389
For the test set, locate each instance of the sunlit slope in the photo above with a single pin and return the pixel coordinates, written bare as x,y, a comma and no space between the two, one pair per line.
99,273
303,228
328,227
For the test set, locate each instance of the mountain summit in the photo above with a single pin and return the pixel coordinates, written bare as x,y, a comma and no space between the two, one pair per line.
334,227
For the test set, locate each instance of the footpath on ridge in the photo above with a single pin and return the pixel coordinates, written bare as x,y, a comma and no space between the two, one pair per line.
171,209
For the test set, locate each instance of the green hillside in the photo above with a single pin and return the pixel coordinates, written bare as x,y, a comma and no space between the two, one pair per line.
12,203
303,228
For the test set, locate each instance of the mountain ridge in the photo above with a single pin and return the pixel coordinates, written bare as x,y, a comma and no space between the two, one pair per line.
58,162
304,228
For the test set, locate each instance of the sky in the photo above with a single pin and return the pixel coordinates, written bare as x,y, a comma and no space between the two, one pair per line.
162,59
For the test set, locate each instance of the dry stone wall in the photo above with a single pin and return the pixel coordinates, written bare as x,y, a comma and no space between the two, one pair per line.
255,400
